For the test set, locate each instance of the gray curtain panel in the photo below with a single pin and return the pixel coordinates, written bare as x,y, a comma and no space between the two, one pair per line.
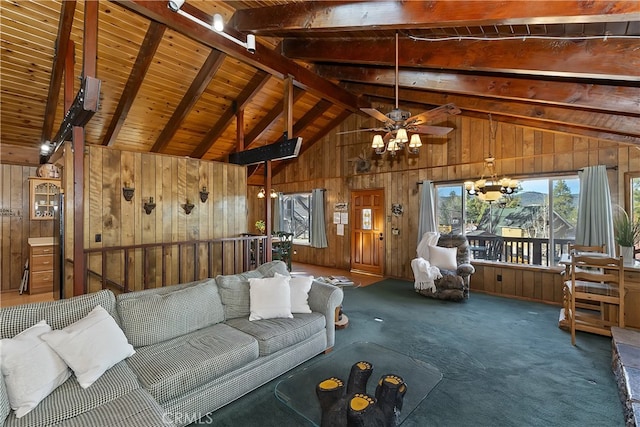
595,216
318,225
427,215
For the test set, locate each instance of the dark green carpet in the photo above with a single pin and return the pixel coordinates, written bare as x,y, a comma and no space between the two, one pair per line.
505,362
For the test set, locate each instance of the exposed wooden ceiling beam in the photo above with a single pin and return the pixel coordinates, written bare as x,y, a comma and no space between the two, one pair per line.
251,89
584,59
617,99
264,58
65,25
268,120
191,96
356,16
148,48
620,128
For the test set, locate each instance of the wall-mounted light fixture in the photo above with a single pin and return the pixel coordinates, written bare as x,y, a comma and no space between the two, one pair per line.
204,194
262,194
217,26
127,192
149,206
188,207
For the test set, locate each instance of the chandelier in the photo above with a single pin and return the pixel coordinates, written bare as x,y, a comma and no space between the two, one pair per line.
262,194
397,142
491,189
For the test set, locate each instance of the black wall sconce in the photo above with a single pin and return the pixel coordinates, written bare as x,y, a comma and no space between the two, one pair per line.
127,192
204,194
149,206
188,207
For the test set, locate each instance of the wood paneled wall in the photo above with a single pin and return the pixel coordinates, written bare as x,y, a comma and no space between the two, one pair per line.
519,151
170,181
17,228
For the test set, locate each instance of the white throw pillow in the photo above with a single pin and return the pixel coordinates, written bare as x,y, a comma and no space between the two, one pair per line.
31,369
443,258
91,345
269,297
300,287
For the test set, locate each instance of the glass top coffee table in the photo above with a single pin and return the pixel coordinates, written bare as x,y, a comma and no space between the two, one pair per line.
298,389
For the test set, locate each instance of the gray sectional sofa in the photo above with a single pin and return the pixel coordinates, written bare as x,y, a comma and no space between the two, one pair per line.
195,351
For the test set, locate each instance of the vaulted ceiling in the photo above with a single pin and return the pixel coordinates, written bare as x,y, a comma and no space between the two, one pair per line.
170,85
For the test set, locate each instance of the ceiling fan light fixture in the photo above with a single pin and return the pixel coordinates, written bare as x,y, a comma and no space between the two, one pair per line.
401,136
415,141
393,145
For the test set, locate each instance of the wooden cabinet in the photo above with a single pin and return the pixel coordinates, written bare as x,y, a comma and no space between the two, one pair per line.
43,197
40,265
632,296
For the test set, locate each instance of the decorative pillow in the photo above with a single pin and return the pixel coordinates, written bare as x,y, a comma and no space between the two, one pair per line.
270,297
300,287
91,345
443,258
31,369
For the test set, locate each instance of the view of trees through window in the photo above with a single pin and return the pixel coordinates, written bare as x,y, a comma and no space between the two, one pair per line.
635,198
296,216
533,226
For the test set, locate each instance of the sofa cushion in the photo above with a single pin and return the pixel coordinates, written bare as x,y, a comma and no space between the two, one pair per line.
276,334
234,288
136,408
70,399
156,315
58,314
173,368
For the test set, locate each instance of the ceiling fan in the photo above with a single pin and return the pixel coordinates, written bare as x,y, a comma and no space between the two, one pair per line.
398,122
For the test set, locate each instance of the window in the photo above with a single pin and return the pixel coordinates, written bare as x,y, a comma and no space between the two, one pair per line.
296,216
634,196
533,226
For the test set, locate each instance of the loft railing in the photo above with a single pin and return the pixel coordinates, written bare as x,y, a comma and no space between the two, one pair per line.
518,250
152,265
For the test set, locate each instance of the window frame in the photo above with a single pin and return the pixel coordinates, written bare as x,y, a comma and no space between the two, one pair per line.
551,179
291,196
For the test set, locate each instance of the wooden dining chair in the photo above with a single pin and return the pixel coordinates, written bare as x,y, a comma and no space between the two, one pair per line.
599,280
566,295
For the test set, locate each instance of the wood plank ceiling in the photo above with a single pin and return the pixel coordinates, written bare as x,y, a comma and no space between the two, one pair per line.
172,86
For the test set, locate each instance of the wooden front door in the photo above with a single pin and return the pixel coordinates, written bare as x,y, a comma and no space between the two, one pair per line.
367,235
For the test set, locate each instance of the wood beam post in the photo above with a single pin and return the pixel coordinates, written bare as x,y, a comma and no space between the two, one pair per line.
288,106
267,207
89,65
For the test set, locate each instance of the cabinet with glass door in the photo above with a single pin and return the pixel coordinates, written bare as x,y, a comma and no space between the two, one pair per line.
44,197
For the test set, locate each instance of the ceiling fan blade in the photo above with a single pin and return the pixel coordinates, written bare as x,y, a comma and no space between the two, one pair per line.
434,113
433,130
362,130
376,115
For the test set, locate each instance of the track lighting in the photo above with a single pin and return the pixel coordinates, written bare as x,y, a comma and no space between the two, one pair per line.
175,5
217,25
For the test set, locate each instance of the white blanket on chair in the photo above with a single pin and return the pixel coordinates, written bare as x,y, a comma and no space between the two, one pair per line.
424,274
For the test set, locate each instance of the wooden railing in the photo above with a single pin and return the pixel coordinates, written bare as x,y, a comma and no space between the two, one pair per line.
152,265
518,250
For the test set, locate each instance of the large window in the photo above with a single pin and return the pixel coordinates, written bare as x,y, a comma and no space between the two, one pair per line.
296,216
533,226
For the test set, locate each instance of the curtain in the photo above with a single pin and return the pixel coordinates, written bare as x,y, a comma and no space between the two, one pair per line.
427,216
278,221
318,228
595,216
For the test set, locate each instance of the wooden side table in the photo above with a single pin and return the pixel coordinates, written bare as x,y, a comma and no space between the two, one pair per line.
341,319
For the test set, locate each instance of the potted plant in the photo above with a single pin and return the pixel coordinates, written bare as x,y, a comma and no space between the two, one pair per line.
627,235
261,226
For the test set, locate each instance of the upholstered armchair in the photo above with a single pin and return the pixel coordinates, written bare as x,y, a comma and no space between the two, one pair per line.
451,258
